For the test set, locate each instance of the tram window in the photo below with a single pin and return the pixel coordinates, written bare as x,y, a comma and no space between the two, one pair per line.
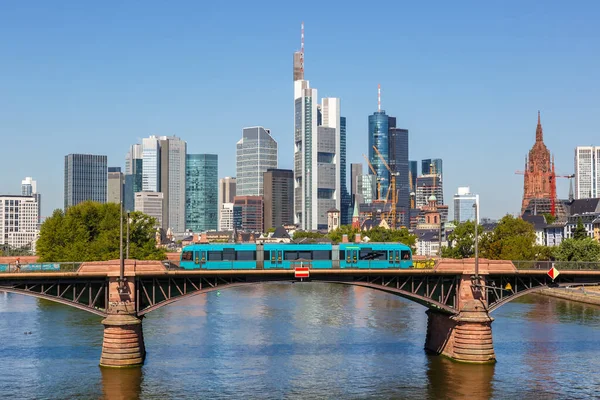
342,254
305,255
373,254
187,256
365,253
290,255
267,255
215,256
321,255
228,254
246,255
405,254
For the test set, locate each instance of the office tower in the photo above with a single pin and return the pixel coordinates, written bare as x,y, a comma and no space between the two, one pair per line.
427,186
464,202
379,137
151,204
398,162
133,175
201,192
172,181
587,172
278,194
413,173
226,217
227,191
248,213
29,188
367,187
432,166
356,170
346,202
256,153
19,221
151,164
115,185
85,179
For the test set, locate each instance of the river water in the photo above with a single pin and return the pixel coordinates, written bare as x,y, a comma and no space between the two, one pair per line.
297,341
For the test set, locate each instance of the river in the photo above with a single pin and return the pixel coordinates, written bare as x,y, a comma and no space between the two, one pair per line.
297,341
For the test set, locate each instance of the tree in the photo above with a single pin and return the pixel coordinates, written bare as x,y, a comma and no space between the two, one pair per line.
308,235
90,231
336,235
586,249
580,232
511,239
462,241
549,218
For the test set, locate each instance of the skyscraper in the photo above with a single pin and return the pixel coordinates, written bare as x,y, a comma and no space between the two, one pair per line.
414,173
256,153
431,166
133,175
114,185
587,172
151,164
464,201
201,192
172,181
151,204
346,202
278,198
85,178
356,171
379,137
227,192
317,152
398,162
29,188
248,213
19,221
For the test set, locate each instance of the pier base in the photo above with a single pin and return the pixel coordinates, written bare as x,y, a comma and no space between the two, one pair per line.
466,337
123,344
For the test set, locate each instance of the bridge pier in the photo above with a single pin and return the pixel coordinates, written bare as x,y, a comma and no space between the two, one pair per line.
123,343
467,336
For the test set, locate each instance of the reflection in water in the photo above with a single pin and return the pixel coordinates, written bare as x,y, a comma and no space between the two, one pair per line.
121,383
451,380
298,341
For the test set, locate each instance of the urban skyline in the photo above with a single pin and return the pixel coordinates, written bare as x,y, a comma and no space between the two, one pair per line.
513,124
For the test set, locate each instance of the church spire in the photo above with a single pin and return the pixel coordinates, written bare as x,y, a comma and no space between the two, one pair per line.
539,133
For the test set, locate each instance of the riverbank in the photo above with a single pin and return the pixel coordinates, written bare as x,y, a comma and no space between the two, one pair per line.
588,295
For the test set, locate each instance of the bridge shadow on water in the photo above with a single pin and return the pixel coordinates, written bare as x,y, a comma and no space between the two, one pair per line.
121,384
449,380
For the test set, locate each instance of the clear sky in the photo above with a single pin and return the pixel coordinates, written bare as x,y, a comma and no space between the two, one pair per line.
466,78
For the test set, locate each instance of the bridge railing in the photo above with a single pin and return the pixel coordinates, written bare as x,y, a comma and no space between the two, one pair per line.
560,265
41,267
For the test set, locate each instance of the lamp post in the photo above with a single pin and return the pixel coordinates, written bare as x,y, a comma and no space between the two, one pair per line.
476,246
122,261
128,222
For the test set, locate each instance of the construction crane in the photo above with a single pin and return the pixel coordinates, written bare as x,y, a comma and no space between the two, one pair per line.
376,177
552,175
392,215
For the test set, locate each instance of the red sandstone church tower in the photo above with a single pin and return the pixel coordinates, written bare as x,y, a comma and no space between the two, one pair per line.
539,183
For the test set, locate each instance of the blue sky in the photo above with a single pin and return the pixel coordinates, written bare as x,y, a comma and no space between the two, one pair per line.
466,78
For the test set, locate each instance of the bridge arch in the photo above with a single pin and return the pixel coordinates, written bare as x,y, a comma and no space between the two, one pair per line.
56,299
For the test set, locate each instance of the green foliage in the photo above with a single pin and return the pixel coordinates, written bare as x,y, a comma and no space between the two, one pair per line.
512,239
549,218
377,234
89,231
586,249
6,250
308,235
337,234
580,232
462,241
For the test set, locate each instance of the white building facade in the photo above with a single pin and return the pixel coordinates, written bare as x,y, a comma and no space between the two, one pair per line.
587,168
466,205
226,217
151,164
19,221
151,204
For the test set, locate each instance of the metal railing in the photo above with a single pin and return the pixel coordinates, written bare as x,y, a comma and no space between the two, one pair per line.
40,267
560,265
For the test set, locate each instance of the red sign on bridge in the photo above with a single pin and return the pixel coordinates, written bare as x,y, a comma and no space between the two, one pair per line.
553,273
301,272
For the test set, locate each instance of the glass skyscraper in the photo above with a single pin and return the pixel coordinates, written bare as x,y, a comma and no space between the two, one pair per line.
85,179
464,209
428,165
379,137
346,209
414,173
398,162
201,192
256,153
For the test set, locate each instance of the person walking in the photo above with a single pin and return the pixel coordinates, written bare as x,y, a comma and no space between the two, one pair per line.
18,264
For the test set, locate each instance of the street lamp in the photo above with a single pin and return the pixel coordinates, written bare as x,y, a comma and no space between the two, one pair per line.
476,246
121,260
128,222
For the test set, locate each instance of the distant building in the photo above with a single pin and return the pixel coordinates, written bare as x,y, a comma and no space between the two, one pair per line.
227,192
173,152
133,176
356,171
18,221
464,202
151,204
85,179
333,219
29,188
151,164
278,198
226,217
248,213
256,153
201,192
428,185
432,166
587,172
413,173
367,187
539,226
114,185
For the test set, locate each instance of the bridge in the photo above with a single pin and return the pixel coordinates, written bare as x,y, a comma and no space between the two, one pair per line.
458,295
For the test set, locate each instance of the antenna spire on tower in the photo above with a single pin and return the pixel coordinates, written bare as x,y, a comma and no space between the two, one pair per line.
378,97
302,48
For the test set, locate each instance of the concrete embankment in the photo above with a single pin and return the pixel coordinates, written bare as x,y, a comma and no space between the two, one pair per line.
582,295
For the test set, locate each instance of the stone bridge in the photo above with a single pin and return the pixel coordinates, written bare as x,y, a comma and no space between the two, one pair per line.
459,304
